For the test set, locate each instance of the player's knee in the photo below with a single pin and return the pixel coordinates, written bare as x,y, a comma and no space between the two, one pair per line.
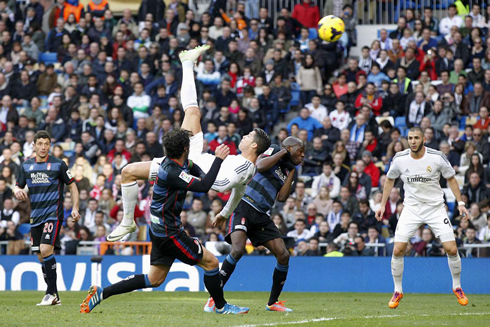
126,173
237,252
156,281
212,264
46,251
452,251
283,258
193,110
398,252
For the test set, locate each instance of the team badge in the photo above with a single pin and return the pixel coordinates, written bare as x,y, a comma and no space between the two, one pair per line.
243,221
49,166
429,169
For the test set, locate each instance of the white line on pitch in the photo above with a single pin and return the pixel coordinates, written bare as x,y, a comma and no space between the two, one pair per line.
365,317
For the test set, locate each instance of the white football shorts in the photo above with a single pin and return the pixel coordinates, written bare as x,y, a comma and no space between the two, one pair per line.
413,216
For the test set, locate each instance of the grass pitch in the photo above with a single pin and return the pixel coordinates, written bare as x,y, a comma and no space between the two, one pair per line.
186,309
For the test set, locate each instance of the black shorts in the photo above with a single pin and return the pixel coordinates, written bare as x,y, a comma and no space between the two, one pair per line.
258,226
164,250
46,233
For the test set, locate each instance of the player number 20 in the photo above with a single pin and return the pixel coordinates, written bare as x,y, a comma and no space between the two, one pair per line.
48,227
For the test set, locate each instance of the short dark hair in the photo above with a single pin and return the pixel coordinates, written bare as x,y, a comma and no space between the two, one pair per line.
42,135
262,139
416,129
175,142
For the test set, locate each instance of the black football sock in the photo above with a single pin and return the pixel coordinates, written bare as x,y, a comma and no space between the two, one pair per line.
213,284
45,276
278,281
50,268
227,268
129,284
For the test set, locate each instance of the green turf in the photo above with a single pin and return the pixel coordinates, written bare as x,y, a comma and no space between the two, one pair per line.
185,309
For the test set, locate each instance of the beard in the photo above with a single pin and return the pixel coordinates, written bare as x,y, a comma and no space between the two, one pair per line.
419,148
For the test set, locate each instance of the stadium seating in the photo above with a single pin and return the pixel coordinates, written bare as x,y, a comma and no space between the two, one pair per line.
24,229
48,58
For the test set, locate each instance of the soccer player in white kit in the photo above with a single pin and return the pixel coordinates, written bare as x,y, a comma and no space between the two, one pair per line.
234,174
420,169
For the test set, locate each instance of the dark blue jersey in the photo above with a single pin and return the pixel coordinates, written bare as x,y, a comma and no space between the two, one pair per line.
170,189
46,181
262,190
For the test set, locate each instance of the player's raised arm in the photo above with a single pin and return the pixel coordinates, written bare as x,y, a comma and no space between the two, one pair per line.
269,159
285,190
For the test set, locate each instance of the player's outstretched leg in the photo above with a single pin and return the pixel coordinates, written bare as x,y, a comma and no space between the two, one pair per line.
238,241
278,248
454,262
397,265
96,294
130,175
188,93
212,281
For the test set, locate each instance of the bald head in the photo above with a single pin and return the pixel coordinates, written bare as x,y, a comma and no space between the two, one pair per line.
292,141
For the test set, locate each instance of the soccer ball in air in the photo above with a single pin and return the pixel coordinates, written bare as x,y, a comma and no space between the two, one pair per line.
330,28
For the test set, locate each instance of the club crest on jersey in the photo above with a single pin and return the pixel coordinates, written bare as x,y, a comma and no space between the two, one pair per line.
49,166
429,169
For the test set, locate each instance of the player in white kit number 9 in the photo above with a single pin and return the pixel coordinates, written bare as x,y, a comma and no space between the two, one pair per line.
420,169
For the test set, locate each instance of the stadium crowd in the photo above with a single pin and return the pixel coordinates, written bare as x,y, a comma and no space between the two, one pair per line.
107,89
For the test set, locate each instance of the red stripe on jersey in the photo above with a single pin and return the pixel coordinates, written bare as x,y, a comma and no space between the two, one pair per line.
55,231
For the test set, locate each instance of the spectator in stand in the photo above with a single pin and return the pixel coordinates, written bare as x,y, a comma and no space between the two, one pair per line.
352,72
410,63
314,158
477,74
475,100
484,120
339,117
304,121
317,110
370,98
306,13
386,43
451,20
222,138
309,79
482,145
340,87
398,33
371,170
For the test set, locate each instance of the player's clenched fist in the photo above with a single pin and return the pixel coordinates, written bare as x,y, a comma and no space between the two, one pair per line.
380,213
222,151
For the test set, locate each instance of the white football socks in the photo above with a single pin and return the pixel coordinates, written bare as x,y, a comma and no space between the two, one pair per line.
130,198
454,262
188,93
397,272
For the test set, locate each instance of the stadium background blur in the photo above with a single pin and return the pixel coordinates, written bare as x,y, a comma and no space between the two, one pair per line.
106,86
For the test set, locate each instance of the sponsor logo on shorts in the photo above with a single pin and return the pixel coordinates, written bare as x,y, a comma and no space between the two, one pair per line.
243,221
47,237
198,246
241,227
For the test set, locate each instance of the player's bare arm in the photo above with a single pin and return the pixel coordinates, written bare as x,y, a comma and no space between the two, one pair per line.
453,185
20,194
285,190
75,215
265,163
389,183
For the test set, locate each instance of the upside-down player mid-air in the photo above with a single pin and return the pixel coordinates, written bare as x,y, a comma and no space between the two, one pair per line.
420,169
176,175
251,219
234,174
